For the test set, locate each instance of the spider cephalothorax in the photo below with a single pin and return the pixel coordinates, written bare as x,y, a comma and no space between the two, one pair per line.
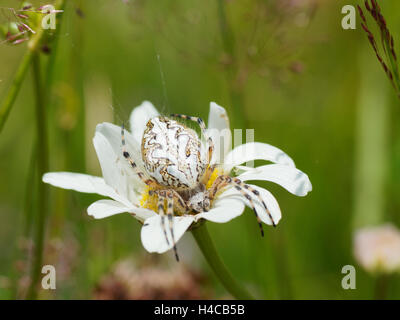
178,168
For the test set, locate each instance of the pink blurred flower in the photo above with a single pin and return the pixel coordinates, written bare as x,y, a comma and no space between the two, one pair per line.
377,249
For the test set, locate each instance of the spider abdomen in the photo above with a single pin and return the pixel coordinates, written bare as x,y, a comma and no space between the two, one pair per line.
173,153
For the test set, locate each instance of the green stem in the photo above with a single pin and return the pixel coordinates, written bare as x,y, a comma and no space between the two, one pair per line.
50,67
235,90
19,77
381,287
15,86
25,224
207,247
42,166
371,146
29,194
33,45
225,29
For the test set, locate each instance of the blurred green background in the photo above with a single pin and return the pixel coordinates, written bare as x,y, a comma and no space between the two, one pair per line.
285,68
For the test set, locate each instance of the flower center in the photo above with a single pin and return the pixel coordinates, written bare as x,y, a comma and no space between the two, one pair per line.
214,175
150,201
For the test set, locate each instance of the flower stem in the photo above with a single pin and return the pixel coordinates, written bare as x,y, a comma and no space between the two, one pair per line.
33,46
207,247
372,141
15,86
232,68
42,166
19,77
381,287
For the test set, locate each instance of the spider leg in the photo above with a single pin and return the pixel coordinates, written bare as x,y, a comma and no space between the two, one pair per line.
257,194
170,214
167,195
248,197
223,181
179,202
160,207
207,174
218,184
210,143
128,157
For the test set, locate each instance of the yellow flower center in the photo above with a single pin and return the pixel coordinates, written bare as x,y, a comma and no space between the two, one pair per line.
214,175
150,201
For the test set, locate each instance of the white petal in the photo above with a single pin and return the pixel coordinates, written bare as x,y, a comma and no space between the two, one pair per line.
256,151
268,199
242,169
152,233
81,183
75,181
115,168
139,117
105,208
224,210
141,213
292,179
219,131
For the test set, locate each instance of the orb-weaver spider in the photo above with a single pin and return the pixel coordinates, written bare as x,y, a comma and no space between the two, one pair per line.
177,168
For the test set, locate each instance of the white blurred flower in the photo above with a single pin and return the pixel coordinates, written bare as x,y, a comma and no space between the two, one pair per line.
377,249
129,194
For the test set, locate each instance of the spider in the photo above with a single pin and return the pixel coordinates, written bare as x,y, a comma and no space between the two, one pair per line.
177,168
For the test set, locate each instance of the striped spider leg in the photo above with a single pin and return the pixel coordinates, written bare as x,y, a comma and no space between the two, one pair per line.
169,195
170,176
163,195
223,181
150,182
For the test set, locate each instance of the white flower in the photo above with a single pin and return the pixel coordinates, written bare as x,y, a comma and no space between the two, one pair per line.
129,194
377,249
